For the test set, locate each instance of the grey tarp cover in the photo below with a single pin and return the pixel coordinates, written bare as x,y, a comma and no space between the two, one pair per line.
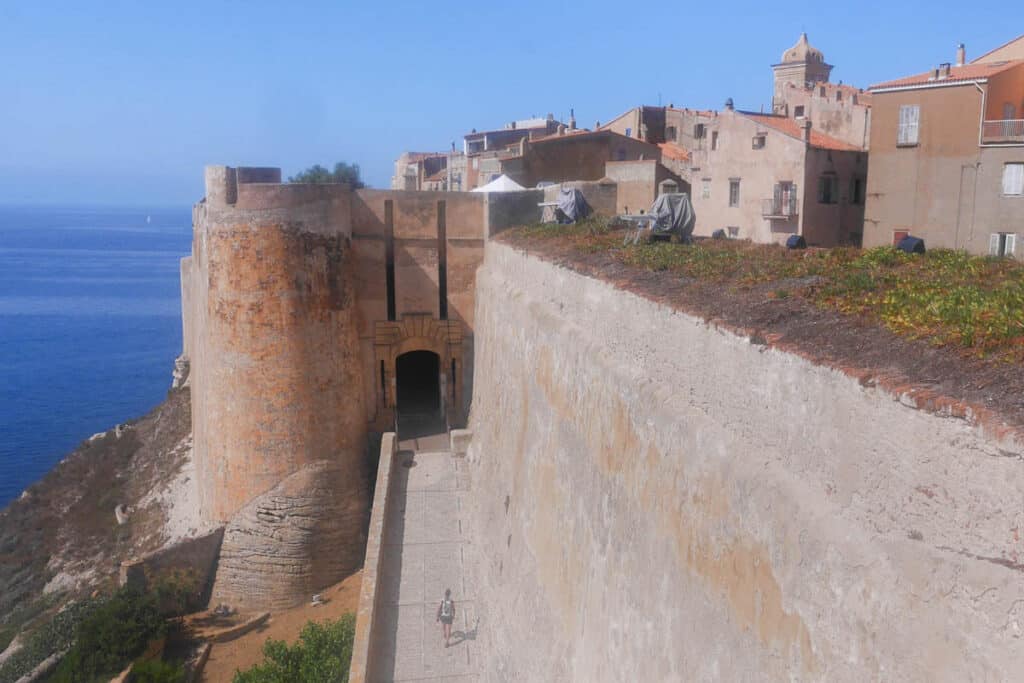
572,204
673,215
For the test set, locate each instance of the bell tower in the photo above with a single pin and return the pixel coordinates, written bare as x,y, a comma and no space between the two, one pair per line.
801,65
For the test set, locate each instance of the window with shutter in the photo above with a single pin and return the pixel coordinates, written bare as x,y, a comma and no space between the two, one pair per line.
734,192
909,124
828,189
1013,179
1002,244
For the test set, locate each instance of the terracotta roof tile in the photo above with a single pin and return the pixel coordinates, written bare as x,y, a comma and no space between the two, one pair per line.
670,150
957,74
790,127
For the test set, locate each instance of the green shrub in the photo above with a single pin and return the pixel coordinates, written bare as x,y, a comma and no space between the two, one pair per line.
156,671
114,633
55,635
177,591
321,655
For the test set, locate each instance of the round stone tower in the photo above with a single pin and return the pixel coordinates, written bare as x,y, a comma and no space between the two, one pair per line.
279,420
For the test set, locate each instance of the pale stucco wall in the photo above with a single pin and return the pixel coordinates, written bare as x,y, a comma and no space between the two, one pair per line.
659,499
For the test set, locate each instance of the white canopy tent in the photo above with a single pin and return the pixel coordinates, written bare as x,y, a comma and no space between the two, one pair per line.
501,184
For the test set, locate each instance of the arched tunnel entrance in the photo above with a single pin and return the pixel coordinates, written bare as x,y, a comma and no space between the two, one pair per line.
418,392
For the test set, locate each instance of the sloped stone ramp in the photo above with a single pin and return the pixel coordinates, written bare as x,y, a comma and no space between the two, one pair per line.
429,548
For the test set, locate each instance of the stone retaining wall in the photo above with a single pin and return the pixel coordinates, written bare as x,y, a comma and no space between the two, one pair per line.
661,499
362,649
194,555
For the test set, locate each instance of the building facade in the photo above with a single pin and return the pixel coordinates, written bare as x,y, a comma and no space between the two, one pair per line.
947,156
801,169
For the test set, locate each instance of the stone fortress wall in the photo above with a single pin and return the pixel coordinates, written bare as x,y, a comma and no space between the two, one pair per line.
662,499
659,498
297,302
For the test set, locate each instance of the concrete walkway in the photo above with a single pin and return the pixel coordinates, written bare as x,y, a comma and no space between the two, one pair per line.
430,548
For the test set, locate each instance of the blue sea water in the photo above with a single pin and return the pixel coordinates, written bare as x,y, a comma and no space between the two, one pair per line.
89,326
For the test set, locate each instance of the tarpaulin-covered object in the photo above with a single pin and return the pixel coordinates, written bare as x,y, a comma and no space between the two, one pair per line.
673,216
571,205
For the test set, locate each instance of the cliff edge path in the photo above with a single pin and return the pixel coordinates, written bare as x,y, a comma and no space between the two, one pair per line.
431,549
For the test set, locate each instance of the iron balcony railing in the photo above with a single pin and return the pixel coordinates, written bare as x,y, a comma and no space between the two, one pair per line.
779,207
1005,130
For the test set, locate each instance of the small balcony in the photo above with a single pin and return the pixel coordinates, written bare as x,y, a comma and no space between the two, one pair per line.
1003,132
779,208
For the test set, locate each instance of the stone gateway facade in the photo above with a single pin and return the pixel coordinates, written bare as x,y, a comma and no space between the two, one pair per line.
312,315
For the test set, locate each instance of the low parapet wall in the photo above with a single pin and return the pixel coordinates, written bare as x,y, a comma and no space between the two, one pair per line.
662,499
196,557
369,596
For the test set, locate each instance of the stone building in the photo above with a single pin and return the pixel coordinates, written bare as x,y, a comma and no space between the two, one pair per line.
420,170
801,169
570,155
765,177
947,155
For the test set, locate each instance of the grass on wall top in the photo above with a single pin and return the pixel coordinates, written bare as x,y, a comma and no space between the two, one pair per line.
948,298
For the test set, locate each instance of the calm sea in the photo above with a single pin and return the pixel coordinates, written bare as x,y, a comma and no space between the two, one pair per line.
89,326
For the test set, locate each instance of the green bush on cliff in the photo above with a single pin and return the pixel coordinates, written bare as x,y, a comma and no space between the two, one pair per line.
111,635
56,635
321,655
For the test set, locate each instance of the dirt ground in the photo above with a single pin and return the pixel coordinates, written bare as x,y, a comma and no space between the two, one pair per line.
244,652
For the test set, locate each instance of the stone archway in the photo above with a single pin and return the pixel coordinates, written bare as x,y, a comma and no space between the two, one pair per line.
417,332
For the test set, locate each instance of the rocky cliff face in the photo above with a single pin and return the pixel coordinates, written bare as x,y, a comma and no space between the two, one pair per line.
121,493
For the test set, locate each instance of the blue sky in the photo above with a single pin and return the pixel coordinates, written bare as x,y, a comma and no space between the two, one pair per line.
124,102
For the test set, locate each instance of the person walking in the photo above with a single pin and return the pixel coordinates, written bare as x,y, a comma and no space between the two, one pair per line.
446,615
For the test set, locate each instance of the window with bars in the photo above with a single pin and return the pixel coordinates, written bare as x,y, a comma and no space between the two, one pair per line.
705,188
909,125
1013,179
734,191
714,140
670,133
758,142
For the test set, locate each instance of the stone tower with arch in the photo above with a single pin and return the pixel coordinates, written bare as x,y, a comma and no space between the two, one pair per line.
314,316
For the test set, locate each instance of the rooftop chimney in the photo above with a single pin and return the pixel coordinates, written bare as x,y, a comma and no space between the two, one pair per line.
572,120
728,104
943,71
805,125
961,55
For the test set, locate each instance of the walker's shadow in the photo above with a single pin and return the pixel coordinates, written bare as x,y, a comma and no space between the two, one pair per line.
462,636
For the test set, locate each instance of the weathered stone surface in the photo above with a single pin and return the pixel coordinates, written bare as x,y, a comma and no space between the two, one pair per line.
660,499
460,440
306,533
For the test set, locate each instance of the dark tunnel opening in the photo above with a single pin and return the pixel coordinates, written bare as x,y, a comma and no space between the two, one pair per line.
418,389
